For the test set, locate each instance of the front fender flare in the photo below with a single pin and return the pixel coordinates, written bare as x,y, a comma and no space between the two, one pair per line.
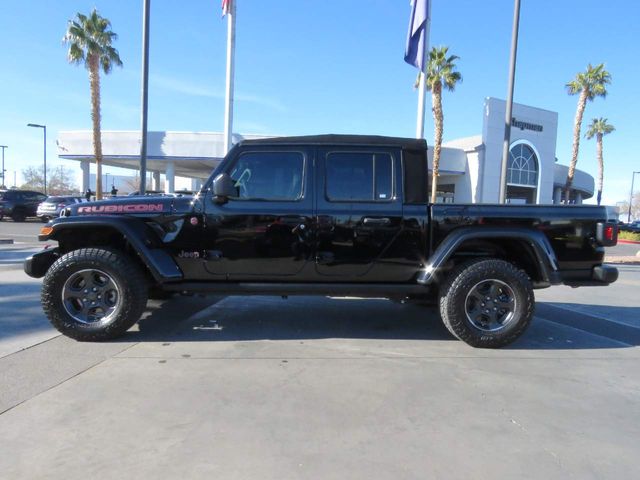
136,233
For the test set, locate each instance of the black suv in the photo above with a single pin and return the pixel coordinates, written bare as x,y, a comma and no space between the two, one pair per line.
19,204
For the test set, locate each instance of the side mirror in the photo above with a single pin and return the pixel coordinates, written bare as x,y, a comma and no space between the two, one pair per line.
223,188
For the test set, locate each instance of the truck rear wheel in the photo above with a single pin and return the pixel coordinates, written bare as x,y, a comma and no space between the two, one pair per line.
487,303
94,294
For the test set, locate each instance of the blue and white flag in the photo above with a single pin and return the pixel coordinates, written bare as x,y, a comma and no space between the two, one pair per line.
417,36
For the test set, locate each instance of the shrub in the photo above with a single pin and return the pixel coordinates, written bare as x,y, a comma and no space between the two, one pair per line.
629,236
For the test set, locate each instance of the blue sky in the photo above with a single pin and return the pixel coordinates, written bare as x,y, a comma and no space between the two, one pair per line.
330,66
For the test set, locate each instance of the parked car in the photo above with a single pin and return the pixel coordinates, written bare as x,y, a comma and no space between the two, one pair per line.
631,227
51,207
19,204
326,215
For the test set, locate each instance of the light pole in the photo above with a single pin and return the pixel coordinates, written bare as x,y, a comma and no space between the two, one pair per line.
633,177
146,10
44,129
3,170
509,106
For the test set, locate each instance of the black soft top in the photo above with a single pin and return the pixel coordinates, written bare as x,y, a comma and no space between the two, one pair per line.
355,140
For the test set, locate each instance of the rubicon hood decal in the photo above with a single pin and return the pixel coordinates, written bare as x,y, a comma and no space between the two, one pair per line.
129,208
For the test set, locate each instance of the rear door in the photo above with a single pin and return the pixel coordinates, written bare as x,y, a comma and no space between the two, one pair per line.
359,214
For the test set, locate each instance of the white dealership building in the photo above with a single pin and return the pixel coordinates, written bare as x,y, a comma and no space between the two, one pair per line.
469,167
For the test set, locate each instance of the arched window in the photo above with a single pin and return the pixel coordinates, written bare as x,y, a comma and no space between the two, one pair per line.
522,169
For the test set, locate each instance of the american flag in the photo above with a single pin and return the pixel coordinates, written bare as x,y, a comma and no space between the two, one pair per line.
226,7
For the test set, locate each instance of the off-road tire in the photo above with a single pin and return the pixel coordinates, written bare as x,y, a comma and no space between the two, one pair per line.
453,298
128,277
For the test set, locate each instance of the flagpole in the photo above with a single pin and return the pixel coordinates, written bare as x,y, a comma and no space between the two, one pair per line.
228,104
422,87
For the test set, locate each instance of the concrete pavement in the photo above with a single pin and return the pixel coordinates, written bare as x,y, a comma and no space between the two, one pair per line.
264,388
318,388
22,322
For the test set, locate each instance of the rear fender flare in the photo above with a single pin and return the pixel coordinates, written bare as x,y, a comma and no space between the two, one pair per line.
546,261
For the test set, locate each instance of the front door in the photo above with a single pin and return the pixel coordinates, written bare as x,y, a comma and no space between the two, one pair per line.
359,214
264,231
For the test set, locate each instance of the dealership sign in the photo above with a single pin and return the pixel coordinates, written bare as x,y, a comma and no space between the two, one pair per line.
526,125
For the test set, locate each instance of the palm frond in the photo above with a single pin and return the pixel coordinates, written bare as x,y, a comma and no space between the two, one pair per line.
90,36
441,69
599,126
592,82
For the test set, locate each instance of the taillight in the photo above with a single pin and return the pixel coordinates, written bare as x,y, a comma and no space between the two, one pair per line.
607,234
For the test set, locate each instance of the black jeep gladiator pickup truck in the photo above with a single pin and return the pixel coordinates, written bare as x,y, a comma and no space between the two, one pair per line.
323,215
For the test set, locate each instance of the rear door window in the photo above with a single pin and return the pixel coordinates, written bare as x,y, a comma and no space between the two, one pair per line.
359,177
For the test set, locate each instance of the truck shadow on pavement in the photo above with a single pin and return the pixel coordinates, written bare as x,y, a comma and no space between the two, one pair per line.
229,319
273,318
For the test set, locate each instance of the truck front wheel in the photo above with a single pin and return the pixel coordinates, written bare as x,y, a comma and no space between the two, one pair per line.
487,303
94,294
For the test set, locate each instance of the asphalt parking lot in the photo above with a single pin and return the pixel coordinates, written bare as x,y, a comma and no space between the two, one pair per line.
264,387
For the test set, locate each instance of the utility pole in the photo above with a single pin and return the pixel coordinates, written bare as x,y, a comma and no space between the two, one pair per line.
509,107
3,170
146,7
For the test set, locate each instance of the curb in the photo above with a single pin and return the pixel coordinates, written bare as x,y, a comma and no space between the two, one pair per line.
620,260
6,241
631,242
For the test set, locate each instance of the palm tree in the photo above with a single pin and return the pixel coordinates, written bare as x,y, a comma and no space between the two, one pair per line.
599,128
441,71
89,39
589,84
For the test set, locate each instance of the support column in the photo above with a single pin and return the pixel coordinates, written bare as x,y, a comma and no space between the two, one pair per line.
156,180
557,195
85,166
196,184
578,198
170,178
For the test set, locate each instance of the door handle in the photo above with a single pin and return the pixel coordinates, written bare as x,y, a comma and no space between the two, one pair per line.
376,221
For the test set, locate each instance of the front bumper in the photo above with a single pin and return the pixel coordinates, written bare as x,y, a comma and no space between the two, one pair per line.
36,265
